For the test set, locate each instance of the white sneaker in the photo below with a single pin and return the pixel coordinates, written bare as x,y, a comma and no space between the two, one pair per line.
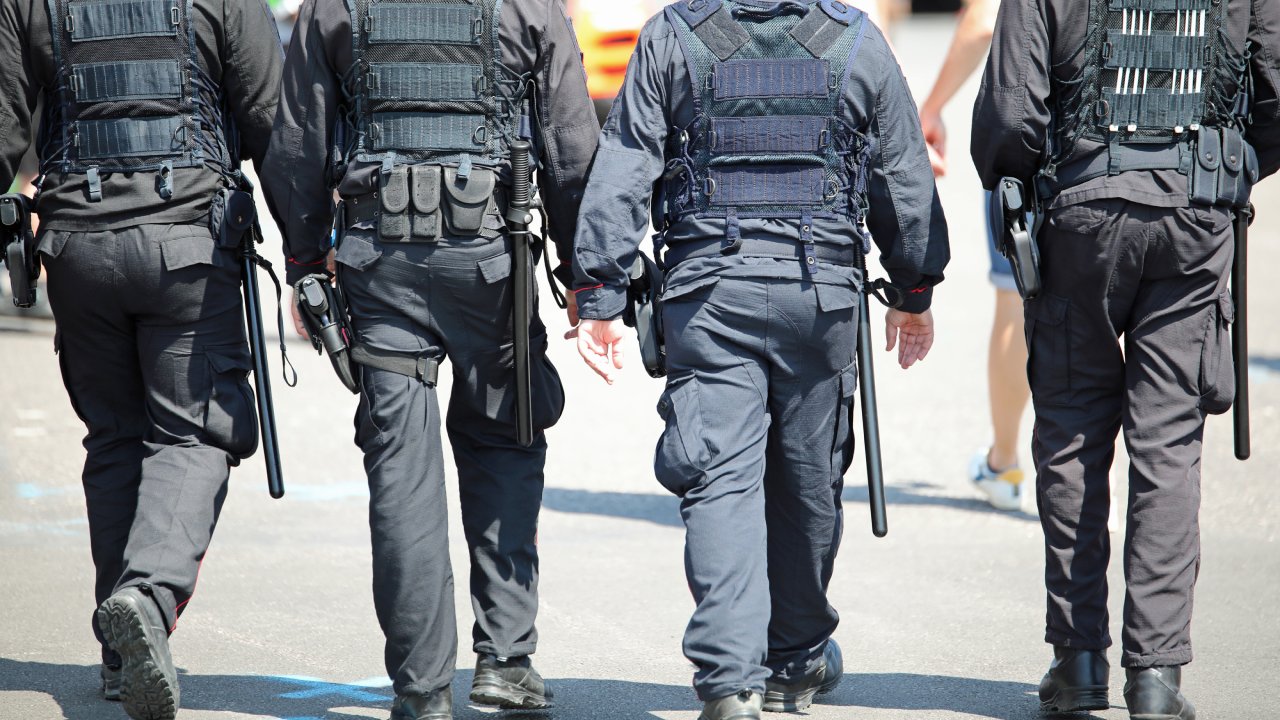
1003,490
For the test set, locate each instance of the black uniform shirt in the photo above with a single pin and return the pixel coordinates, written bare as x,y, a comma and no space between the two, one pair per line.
239,48
905,216
536,38
1039,43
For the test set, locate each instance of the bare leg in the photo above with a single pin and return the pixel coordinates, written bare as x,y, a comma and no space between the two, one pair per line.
1007,379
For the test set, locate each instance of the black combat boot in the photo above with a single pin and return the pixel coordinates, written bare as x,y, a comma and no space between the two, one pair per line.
1155,694
511,684
1076,681
110,674
782,696
435,706
133,626
743,705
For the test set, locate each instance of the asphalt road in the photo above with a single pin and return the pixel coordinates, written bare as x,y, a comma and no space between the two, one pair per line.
942,619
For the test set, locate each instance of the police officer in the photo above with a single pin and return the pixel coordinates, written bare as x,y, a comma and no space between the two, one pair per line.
1142,126
410,108
766,134
143,104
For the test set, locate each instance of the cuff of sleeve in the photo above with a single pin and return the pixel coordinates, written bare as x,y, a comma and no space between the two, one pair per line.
295,270
916,300
601,302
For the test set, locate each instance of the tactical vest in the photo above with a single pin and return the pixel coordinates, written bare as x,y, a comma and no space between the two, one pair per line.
1161,89
426,83
767,139
130,94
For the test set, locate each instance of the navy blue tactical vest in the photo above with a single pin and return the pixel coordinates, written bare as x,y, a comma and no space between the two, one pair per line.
130,94
427,84
1161,89
767,139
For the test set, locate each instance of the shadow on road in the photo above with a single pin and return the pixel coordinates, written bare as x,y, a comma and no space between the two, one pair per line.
75,690
665,509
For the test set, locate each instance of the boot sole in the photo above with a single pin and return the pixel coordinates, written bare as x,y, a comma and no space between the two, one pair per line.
507,696
145,689
778,701
1069,700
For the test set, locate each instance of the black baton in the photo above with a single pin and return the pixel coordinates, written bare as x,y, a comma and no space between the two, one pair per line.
518,219
870,412
1240,331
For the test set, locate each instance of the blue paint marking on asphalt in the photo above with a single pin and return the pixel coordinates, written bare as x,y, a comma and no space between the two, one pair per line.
336,491
358,691
1259,372
31,491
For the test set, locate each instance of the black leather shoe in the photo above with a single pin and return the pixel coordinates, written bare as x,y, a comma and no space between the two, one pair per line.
1155,694
799,694
744,705
510,684
1076,681
436,706
132,625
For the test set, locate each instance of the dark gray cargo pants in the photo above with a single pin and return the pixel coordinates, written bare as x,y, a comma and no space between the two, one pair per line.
758,409
1156,277
449,299
152,349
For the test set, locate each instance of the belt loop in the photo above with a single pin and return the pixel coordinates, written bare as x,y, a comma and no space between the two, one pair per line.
95,184
165,180
732,232
806,239
428,370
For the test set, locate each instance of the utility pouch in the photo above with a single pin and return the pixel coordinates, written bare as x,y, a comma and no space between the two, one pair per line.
238,213
393,221
1239,169
424,184
1203,183
467,200
19,248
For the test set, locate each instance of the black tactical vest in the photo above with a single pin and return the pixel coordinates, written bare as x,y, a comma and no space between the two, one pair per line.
427,84
767,138
1161,89
130,94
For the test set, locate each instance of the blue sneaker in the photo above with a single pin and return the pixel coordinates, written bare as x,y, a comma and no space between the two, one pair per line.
1003,490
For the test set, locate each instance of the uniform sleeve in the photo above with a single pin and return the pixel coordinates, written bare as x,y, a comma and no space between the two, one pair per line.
615,207
297,180
1264,37
905,216
567,130
252,77
1011,116
17,93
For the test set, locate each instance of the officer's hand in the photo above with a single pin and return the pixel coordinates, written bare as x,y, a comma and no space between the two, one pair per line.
297,316
600,345
328,263
571,307
935,139
912,333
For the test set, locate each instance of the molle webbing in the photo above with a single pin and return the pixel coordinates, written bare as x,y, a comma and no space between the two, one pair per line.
130,94
426,89
766,140
1157,63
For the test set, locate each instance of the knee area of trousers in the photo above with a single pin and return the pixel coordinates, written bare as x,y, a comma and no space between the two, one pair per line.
231,420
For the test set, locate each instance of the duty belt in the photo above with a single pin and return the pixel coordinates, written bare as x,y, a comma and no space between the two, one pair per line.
678,252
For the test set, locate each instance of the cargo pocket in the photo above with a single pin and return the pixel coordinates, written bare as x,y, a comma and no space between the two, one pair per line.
682,453
425,186
467,200
357,253
51,243
194,245
547,390
393,216
842,442
1217,369
1048,329
66,379
231,419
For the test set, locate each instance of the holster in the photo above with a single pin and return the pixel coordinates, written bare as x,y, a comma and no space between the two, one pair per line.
644,313
324,313
1014,238
19,248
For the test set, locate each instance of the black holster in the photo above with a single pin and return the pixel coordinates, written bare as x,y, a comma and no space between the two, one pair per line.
1014,239
324,313
19,248
644,313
